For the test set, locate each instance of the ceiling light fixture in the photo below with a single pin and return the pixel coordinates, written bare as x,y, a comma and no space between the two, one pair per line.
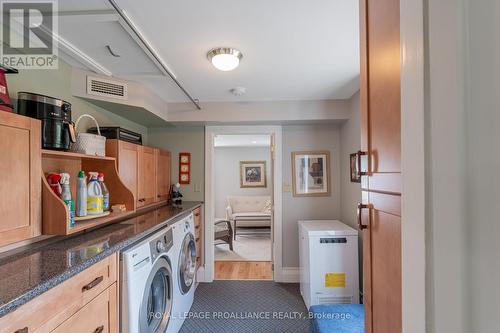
224,58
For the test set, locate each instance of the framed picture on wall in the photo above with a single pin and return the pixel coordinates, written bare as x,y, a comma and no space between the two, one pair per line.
252,174
311,173
353,161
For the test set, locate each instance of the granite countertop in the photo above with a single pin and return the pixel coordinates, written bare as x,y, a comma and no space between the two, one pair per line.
30,271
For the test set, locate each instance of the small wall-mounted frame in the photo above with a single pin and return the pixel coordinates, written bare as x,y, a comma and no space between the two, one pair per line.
311,173
353,162
184,168
252,174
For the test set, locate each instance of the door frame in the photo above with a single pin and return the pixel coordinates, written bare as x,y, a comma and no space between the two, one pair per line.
207,273
413,201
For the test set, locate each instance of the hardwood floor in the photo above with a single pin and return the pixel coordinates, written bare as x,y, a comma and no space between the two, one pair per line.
243,270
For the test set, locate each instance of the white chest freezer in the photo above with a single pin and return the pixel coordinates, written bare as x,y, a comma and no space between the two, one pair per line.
328,254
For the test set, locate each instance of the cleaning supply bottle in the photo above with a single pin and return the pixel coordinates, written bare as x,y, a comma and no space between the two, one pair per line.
81,194
53,180
105,192
66,197
94,195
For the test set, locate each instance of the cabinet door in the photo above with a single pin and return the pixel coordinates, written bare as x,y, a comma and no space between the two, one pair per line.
128,163
97,316
147,176
20,188
163,174
380,212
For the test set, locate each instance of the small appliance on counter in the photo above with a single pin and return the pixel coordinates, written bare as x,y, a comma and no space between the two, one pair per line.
58,130
119,133
5,103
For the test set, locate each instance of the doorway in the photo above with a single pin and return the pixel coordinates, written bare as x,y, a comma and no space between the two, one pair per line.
241,220
243,201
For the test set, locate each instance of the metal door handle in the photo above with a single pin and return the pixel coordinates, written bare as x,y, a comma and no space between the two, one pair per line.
99,329
358,156
360,222
92,284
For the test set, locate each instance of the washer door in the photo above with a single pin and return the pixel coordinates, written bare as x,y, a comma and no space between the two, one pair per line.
187,263
156,303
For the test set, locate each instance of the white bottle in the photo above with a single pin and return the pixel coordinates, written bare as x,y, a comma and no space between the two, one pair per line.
81,194
94,195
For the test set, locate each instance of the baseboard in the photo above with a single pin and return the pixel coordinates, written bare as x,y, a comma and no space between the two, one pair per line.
290,274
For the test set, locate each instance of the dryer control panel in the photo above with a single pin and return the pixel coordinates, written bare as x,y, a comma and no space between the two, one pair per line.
161,244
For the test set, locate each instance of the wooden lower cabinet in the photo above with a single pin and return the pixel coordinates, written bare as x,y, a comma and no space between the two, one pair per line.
82,303
198,225
99,316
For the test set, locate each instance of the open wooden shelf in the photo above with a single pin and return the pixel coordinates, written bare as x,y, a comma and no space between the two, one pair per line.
55,213
71,155
82,225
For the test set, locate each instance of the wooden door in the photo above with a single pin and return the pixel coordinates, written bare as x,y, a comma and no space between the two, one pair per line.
21,170
380,211
147,176
163,174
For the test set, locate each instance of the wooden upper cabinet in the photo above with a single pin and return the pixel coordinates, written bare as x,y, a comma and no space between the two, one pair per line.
146,171
163,174
20,188
146,191
127,159
381,85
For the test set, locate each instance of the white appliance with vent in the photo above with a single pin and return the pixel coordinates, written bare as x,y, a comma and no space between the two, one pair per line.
328,254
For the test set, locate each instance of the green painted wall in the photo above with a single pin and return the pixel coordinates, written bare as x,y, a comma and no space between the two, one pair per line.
57,83
184,139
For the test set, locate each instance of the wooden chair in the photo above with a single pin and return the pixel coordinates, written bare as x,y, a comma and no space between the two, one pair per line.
224,232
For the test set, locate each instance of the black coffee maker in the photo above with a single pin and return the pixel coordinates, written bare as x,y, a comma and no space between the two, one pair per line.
58,131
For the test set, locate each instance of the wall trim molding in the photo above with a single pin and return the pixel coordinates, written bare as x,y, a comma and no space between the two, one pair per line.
290,274
413,205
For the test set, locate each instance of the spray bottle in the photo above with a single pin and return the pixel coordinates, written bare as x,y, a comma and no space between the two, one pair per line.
105,192
81,194
53,180
66,197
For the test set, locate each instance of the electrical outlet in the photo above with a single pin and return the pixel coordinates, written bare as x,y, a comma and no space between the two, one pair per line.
197,187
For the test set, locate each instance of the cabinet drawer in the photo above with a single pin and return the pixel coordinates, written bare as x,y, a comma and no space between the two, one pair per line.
95,317
45,312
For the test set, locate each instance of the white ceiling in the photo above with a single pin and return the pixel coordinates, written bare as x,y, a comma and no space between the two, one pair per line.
242,141
292,49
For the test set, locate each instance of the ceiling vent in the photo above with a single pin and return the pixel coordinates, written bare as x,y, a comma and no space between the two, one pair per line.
106,88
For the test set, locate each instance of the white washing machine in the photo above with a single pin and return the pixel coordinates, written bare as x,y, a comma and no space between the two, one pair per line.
148,279
185,248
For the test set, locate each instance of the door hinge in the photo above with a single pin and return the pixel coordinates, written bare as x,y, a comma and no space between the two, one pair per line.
272,267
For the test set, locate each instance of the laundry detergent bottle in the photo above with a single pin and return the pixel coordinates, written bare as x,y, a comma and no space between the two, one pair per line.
94,195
